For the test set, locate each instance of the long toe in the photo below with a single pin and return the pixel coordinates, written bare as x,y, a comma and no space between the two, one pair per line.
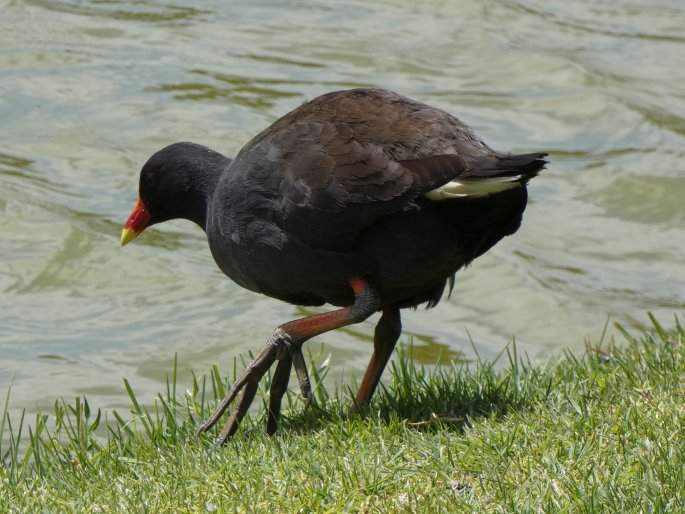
279,386
249,380
302,374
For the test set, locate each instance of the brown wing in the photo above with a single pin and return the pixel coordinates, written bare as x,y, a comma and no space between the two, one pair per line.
330,168
332,186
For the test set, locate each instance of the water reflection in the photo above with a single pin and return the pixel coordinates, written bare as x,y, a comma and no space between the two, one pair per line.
234,90
140,10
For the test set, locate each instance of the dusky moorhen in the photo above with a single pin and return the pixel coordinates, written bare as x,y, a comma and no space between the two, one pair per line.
363,199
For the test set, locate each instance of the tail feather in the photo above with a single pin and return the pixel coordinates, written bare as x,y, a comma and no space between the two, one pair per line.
491,175
526,165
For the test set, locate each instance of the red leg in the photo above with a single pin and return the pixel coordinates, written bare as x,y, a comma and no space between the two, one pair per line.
385,338
286,342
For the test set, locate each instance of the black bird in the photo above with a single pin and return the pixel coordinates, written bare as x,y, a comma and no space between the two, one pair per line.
363,199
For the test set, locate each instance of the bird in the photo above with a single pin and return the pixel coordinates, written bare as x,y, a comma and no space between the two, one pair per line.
363,199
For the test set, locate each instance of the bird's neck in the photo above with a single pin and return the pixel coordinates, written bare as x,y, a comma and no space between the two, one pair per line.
199,190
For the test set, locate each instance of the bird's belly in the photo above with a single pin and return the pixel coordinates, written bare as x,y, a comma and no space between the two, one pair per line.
289,270
302,275
408,257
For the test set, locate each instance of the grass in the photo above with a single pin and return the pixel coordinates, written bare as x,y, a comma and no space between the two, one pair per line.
602,432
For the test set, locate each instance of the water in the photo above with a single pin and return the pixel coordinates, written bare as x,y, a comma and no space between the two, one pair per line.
89,89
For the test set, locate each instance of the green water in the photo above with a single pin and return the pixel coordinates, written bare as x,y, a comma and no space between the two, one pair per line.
89,89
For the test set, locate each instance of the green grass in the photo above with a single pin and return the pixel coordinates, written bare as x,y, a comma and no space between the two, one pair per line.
605,432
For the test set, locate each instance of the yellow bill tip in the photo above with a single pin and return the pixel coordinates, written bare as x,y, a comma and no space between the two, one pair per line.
128,235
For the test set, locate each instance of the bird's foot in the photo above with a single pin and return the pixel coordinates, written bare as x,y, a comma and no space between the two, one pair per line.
285,345
280,347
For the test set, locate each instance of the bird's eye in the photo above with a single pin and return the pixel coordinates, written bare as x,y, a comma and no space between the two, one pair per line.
147,182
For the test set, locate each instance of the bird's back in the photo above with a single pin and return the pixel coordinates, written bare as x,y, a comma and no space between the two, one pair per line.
381,121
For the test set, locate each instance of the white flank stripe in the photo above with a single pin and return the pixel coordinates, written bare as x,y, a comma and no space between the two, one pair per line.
473,188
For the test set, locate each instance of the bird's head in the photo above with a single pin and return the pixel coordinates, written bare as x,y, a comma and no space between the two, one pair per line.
175,183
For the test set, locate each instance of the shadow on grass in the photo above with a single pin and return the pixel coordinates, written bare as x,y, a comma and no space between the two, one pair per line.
428,398
451,397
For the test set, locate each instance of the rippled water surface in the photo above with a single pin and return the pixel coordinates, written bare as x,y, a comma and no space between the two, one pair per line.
89,89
